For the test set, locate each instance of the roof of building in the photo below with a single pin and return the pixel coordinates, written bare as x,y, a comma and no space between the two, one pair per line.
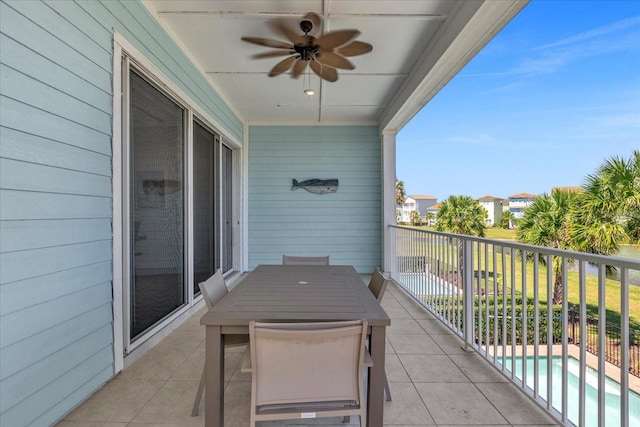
434,207
490,198
522,196
423,197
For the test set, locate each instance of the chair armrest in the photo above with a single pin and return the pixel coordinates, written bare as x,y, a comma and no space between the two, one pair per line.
368,361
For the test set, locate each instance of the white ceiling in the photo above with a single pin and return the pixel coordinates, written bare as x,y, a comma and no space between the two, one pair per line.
418,46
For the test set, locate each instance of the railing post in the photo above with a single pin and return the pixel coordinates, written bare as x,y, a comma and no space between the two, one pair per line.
391,257
467,286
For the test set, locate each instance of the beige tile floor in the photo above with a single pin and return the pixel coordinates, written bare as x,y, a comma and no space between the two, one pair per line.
433,381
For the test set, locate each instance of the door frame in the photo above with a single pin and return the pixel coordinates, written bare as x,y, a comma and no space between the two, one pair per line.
125,54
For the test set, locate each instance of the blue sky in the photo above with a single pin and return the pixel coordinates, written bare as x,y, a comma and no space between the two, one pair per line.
555,94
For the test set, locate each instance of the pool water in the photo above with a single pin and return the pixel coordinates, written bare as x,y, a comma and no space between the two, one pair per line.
418,284
612,391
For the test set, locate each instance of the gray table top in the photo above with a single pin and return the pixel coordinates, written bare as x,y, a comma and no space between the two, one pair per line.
296,293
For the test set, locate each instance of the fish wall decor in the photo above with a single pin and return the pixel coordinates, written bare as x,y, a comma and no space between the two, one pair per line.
316,186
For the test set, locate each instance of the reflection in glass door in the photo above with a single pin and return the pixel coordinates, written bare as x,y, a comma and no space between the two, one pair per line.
156,153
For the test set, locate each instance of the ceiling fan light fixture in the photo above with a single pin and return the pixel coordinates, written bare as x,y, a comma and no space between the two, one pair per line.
309,92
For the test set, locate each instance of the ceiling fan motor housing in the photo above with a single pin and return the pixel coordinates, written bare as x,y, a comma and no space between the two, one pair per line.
307,51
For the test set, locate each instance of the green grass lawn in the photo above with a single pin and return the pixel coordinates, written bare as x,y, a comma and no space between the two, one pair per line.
490,233
612,294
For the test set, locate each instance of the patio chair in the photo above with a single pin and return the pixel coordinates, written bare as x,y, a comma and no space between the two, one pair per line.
213,289
377,286
307,370
305,260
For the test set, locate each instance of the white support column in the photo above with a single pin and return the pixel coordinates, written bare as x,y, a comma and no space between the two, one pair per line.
388,196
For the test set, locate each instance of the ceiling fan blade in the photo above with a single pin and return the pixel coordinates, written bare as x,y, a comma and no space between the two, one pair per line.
355,48
273,54
282,66
280,27
325,72
334,60
315,20
335,39
298,68
267,42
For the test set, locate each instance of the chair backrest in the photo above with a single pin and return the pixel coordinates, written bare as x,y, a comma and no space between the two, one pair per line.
300,363
213,289
378,284
305,260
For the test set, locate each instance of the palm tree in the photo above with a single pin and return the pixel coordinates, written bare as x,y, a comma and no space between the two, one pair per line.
414,217
547,222
596,220
609,207
429,218
400,193
507,218
462,215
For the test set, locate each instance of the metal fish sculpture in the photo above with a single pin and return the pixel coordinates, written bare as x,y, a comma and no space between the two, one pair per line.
316,186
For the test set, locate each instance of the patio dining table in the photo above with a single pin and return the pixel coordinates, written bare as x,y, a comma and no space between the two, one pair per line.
294,293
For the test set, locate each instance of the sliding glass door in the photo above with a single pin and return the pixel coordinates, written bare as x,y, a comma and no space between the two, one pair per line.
156,176
205,236
226,200
177,204
212,204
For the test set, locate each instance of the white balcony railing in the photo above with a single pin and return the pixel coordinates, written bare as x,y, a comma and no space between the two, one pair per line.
484,291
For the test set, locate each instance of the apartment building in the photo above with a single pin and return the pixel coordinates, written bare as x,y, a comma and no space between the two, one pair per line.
519,202
493,206
418,203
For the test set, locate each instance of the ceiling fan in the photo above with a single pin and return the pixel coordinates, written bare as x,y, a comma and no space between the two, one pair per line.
324,54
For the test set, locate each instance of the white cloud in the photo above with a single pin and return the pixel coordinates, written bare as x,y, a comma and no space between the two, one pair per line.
618,36
594,33
552,57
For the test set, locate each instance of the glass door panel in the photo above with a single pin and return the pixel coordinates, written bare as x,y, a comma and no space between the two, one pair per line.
156,206
204,227
227,208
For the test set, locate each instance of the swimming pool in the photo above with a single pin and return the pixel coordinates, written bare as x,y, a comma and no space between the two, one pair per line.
612,390
419,284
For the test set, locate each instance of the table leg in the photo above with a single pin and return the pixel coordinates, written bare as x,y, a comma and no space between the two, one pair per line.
214,389
375,392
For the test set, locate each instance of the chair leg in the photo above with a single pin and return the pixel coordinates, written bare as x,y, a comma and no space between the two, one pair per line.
196,404
387,392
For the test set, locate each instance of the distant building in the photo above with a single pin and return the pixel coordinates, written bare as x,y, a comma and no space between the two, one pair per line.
434,210
416,203
518,203
493,206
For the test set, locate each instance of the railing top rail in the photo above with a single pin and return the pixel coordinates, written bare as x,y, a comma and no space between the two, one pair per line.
583,256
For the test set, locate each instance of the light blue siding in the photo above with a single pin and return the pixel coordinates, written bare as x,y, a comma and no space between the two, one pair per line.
345,225
43,151
56,318
22,117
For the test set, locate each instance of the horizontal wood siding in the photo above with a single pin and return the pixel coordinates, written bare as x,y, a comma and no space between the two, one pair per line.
56,319
345,225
